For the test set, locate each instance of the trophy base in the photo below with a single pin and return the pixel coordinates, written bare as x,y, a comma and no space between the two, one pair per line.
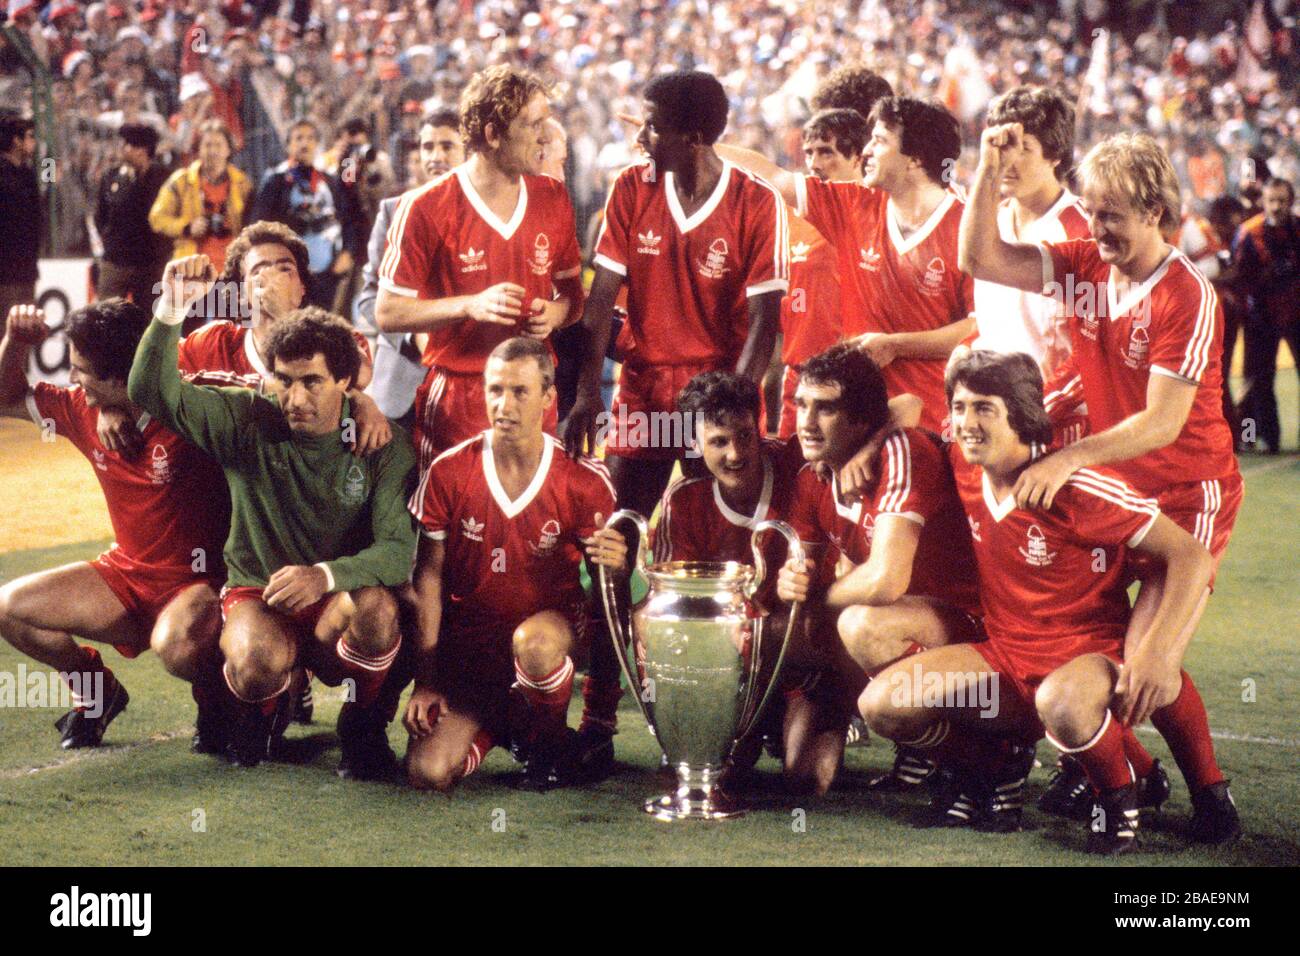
694,804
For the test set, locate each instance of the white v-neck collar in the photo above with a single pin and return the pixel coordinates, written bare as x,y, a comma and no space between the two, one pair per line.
1137,293
1000,509
905,246
851,512
255,360
512,508
685,224
764,500
505,229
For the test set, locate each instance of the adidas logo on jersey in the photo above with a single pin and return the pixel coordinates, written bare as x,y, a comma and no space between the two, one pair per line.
473,260
799,252
1036,553
649,243
472,529
870,260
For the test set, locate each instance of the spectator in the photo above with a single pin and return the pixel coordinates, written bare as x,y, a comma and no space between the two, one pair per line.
20,212
202,206
132,262
1268,252
314,205
1225,216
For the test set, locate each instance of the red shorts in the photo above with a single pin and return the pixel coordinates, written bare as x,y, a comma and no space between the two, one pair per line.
451,407
1022,665
304,621
638,424
144,589
1206,510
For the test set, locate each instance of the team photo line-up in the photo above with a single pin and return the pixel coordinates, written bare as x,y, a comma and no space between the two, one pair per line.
1001,414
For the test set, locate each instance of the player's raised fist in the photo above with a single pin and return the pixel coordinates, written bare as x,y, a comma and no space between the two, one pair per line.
999,144
501,304
184,282
26,323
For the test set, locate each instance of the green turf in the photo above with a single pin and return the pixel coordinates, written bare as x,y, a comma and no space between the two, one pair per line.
134,801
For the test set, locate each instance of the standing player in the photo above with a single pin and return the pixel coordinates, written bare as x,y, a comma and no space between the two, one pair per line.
911,585
1147,334
703,249
503,516
1056,619
479,255
317,536
156,587
903,297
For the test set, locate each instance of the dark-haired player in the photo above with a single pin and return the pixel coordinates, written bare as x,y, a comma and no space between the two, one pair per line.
903,297
503,517
1056,613
156,587
1147,332
318,536
911,584
479,255
702,247
850,86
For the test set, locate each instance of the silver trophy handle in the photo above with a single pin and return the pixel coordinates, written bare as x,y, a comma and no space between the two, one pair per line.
625,643
749,718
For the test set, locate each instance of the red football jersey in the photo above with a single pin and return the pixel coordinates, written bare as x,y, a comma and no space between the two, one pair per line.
1172,325
165,503
696,524
810,314
445,241
689,279
1050,578
892,284
913,481
222,353
507,560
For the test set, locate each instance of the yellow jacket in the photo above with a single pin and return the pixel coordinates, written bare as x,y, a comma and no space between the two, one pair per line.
180,201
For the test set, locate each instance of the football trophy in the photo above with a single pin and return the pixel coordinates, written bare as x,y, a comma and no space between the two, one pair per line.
699,662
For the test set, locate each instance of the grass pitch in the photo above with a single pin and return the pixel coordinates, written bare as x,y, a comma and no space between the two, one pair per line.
142,798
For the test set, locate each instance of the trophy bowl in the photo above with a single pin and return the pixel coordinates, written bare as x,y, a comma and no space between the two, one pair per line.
700,664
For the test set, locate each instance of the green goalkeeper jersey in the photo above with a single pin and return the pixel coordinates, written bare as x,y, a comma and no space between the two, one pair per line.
295,499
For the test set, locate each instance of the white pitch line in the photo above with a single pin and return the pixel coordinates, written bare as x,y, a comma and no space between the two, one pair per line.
92,753
1238,738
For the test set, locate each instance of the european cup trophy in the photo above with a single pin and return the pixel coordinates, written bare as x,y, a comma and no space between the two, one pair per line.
699,663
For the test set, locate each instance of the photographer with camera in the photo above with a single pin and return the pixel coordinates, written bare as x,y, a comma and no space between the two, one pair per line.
132,258
318,208
202,206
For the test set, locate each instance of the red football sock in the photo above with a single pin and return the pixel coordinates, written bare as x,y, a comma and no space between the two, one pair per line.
1186,728
1138,757
548,697
912,648
483,742
600,702
1102,756
82,683
366,671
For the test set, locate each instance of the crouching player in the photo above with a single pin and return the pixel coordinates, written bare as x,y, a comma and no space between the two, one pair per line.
1053,585
318,536
156,587
503,518
909,575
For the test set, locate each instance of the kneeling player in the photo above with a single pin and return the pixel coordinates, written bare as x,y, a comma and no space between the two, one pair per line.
156,586
1056,611
503,518
911,584
318,536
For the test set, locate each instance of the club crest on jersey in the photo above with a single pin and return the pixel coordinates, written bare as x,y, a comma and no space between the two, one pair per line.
1139,344
550,538
974,528
932,282
160,467
354,486
870,260
541,262
799,252
473,260
868,526
101,460
472,529
649,243
1037,554
715,265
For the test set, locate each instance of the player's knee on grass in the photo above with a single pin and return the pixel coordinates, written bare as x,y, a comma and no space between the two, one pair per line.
541,644
1070,709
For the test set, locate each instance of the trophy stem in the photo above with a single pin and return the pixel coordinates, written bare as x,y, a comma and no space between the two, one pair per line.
699,796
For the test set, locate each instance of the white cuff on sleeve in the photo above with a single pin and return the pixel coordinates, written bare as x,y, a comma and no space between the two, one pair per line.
329,575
